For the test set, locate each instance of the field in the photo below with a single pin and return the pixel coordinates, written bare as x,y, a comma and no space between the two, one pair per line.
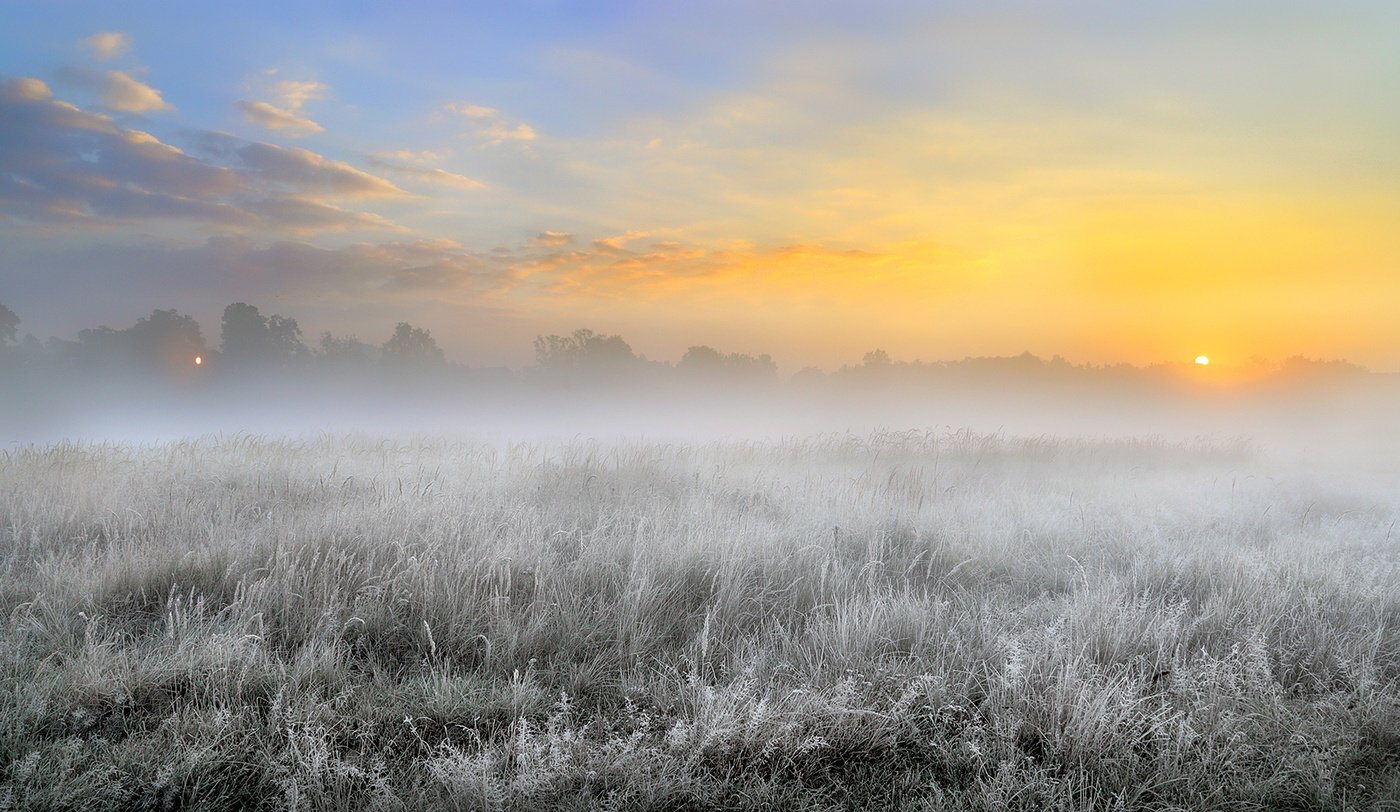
923,621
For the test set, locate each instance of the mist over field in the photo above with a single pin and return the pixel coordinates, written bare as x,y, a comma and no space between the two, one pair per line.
141,383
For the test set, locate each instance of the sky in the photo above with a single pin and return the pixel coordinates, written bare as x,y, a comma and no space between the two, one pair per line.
1107,181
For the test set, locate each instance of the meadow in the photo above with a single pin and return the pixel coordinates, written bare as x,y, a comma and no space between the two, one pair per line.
896,620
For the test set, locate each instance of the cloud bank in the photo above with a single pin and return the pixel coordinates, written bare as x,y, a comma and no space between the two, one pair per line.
59,163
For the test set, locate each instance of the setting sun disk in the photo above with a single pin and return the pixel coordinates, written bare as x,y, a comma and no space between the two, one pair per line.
1202,360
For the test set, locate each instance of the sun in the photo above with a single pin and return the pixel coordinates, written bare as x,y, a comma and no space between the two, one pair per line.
1202,360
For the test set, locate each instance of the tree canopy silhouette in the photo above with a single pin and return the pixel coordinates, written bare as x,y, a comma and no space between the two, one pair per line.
166,340
412,348
704,362
346,353
250,339
9,325
584,352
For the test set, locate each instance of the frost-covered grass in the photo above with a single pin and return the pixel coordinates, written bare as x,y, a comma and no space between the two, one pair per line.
897,621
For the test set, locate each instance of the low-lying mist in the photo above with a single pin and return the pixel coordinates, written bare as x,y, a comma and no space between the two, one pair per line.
160,379
1348,418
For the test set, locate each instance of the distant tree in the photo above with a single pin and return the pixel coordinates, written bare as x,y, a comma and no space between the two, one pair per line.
1302,368
874,366
250,339
166,338
584,351
284,339
99,346
707,362
345,352
876,358
752,367
9,325
243,337
411,347
701,360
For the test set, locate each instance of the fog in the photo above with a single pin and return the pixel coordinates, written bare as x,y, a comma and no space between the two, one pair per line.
1323,415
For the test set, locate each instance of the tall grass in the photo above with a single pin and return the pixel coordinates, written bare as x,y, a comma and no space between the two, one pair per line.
948,621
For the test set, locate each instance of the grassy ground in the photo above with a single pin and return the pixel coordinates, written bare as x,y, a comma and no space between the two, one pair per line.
899,621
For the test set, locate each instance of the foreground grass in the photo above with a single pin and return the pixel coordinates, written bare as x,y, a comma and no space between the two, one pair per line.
901,621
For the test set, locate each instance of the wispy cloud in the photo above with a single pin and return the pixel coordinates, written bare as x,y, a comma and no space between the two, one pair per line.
411,156
305,216
284,113
116,90
471,110
275,118
425,174
499,132
108,44
617,242
298,169
490,125
553,239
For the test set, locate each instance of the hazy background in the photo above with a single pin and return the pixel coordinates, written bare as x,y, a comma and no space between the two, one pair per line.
263,376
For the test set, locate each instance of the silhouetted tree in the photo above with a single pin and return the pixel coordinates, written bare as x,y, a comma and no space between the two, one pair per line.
707,362
345,352
99,346
584,350
412,347
1301,369
9,325
284,339
876,358
250,339
165,340
701,360
243,335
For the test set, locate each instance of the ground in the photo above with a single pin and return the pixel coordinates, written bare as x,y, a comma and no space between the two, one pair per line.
910,621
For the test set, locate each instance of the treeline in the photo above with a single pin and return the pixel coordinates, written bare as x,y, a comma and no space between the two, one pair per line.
169,341
172,344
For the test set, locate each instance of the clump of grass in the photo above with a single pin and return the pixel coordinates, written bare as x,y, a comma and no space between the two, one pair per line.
896,621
